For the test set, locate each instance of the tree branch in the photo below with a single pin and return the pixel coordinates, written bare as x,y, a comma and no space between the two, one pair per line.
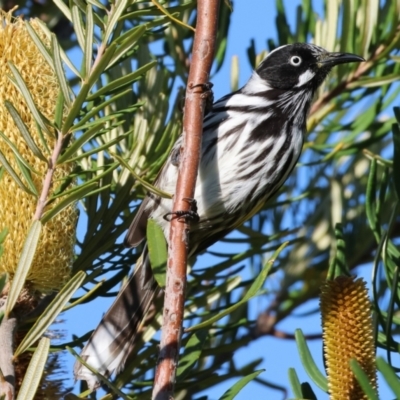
203,55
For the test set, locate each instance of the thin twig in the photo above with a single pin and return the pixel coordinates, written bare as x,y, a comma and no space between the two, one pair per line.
48,180
203,54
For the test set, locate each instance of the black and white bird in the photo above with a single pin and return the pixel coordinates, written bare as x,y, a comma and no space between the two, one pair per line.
251,141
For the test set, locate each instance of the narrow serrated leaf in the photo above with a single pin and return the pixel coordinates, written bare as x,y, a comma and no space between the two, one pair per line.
77,23
231,393
51,313
120,83
79,142
59,70
95,110
96,179
34,373
85,88
308,362
158,252
18,156
97,4
63,8
64,56
146,185
88,51
24,131
96,150
14,175
363,380
127,43
27,175
24,265
39,44
21,86
77,195
118,10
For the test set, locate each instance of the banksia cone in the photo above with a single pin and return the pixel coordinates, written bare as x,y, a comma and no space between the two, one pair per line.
347,334
54,254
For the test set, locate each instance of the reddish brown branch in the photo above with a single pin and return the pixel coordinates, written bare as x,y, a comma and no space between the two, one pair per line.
203,55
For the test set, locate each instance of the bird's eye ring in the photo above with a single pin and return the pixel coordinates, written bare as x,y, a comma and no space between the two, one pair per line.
295,61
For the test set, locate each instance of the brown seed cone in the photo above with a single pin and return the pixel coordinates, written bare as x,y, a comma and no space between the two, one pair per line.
347,334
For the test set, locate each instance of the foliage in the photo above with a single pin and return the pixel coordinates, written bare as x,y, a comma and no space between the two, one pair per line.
122,103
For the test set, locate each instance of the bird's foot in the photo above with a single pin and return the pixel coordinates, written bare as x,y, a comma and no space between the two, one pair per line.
185,216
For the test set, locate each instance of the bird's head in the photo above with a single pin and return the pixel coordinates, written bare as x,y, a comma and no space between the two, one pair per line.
300,66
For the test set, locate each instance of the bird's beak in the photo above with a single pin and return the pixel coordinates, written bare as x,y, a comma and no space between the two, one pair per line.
332,59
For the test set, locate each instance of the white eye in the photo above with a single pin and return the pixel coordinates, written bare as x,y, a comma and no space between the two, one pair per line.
295,61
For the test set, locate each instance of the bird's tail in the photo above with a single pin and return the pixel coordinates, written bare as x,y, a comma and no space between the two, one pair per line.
115,336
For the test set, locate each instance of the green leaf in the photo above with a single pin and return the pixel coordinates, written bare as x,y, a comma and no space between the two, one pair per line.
88,52
51,313
253,291
370,202
122,82
21,86
84,191
308,362
363,380
107,118
19,158
94,181
396,157
63,8
79,142
307,391
39,44
24,265
338,265
64,56
158,252
27,175
24,131
34,373
390,376
238,386
96,150
13,174
295,383
126,42
77,23
95,110
146,185
118,10
59,70
191,354
82,96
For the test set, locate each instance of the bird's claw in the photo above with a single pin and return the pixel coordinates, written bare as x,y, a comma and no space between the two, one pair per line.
184,216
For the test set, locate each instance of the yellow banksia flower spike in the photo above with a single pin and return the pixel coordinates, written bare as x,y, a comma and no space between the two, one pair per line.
54,254
347,334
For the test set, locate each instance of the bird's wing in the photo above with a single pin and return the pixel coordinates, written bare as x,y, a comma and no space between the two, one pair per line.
137,230
116,335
